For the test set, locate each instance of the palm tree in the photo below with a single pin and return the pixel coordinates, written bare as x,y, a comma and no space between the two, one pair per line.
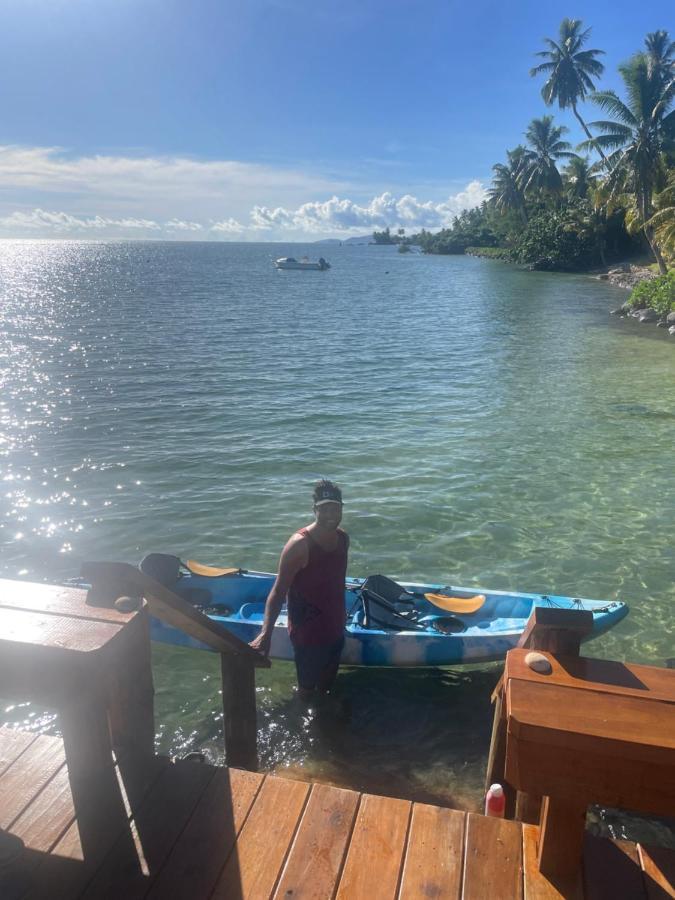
578,177
661,55
663,221
546,148
635,138
505,193
570,70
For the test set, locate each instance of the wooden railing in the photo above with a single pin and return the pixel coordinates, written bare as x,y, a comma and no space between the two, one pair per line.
111,580
553,631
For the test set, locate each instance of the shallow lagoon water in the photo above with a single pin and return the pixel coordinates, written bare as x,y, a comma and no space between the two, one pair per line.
490,427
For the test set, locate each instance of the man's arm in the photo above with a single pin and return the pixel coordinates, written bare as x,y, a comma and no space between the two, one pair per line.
294,557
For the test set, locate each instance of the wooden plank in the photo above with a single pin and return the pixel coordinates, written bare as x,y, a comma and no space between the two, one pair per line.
46,598
537,886
596,777
568,717
68,866
658,870
599,675
49,815
253,868
26,777
200,853
492,859
433,861
64,633
12,744
611,870
155,829
314,862
376,850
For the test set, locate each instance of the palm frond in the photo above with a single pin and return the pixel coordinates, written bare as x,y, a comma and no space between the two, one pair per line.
611,103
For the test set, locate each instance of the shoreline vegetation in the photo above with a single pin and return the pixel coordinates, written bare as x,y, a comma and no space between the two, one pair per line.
601,208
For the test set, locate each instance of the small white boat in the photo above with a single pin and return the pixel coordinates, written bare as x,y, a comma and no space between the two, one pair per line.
288,262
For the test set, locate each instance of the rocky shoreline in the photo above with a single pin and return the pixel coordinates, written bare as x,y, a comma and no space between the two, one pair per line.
628,276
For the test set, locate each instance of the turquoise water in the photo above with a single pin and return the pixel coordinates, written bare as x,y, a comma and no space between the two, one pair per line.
490,427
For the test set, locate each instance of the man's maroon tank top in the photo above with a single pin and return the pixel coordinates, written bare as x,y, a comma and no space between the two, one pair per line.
316,598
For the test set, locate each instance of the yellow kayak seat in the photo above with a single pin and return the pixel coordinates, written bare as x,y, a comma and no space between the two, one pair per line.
466,605
209,571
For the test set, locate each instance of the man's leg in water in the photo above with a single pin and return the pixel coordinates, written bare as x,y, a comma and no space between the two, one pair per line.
317,666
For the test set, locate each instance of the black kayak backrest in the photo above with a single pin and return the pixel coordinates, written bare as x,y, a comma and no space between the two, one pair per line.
162,568
382,600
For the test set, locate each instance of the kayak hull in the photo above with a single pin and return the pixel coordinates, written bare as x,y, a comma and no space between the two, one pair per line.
237,603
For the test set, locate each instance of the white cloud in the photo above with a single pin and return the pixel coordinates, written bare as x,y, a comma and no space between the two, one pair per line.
45,192
228,226
162,187
386,210
179,225
41,220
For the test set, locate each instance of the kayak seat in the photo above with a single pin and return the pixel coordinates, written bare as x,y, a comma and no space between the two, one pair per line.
387,606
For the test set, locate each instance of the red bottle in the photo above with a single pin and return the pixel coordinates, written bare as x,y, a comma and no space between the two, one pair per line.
495,801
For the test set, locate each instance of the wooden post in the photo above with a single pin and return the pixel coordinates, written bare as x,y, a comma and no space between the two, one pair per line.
131,692
239,711
557,631
561,836
497,756
91,771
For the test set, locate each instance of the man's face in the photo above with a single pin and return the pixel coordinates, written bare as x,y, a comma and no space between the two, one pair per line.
328,515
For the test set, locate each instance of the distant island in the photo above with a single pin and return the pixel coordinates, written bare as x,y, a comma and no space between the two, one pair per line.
360,239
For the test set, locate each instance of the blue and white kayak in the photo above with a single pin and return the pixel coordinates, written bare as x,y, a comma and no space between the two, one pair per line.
237,602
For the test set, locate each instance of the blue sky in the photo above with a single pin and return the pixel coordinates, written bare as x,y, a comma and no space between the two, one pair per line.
271,119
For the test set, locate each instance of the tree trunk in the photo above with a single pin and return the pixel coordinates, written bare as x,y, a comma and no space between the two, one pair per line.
590,136
646,211
649,234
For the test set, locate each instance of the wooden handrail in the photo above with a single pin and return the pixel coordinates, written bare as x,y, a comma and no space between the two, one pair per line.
557,631
170,608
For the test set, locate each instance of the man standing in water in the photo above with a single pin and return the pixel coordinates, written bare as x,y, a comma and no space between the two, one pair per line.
312,572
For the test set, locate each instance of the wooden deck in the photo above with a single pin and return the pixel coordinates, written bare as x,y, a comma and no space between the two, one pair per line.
195,831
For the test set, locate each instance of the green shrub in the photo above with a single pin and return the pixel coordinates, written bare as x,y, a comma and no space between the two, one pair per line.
657,293
548,243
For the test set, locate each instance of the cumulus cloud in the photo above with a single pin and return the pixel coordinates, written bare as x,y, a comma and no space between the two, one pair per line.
180,225
44,191
228,226
41,220
339,214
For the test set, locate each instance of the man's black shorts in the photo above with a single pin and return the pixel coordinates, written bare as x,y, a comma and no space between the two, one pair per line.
317,665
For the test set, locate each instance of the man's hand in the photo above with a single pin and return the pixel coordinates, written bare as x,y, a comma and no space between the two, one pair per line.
262,643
